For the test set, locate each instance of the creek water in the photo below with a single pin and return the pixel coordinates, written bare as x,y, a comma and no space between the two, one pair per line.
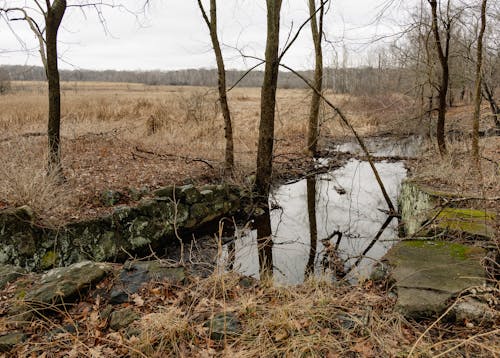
332,224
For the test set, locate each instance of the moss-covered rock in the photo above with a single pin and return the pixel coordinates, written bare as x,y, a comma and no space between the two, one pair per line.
423,212
110,197
152,224
465,222
9,341
49,260
66,284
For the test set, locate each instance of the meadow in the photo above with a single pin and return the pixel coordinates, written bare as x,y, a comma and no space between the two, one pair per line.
122,135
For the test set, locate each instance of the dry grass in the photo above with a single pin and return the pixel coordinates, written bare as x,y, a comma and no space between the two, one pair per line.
456,172
315,319
103,124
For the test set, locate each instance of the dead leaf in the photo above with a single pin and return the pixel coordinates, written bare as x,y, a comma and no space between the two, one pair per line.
280,334
138,301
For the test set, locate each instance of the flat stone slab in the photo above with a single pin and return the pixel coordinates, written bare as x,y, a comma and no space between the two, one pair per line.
428,274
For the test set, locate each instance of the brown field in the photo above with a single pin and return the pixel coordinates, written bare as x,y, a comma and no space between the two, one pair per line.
107,128
122,135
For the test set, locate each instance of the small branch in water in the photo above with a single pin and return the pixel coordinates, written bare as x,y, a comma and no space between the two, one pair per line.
373,242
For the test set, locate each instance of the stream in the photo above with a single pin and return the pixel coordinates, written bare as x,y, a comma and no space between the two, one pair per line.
332,224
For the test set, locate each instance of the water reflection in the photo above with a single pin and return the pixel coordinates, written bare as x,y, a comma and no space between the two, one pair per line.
330,222
265,245
313,227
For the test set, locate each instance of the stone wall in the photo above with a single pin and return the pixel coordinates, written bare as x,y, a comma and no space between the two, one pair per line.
151,225
428,212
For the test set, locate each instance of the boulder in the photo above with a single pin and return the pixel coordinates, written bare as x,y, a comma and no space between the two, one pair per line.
66,284
135,274
417,205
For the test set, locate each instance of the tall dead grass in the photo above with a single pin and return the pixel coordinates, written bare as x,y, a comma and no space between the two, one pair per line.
24,181
104,123
456,170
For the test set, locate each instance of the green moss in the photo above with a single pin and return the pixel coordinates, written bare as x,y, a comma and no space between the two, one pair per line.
470,221
49,260
458,213
458,251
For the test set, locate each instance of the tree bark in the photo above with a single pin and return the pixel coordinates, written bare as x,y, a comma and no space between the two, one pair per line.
268,102
477,94
443,55
317,31
53,20
221,81
495,109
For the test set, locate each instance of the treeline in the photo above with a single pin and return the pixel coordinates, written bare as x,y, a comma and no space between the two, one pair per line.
364,80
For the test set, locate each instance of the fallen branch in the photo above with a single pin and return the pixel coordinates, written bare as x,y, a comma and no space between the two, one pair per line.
24,135
173,156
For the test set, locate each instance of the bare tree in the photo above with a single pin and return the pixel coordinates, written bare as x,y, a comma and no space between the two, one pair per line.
317,33
44,18
268,101
477,94
443,51
53,14
221,71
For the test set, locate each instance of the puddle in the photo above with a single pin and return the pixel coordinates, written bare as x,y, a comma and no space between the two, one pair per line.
328,224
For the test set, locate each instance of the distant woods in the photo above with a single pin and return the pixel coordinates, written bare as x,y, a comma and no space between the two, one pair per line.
350,80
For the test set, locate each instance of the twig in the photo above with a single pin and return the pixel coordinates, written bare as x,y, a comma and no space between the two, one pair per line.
471,338
23,135
166,155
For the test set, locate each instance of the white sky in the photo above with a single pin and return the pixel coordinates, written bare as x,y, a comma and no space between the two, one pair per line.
172,34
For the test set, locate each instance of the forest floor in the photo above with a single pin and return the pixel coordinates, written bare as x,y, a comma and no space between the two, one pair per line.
119,136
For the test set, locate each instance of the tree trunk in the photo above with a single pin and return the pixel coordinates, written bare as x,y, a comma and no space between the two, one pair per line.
221,81
268,102
495,110
313,127
440,134
443,55
53,20
477,94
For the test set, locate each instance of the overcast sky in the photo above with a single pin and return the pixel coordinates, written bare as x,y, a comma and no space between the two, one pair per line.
172,35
